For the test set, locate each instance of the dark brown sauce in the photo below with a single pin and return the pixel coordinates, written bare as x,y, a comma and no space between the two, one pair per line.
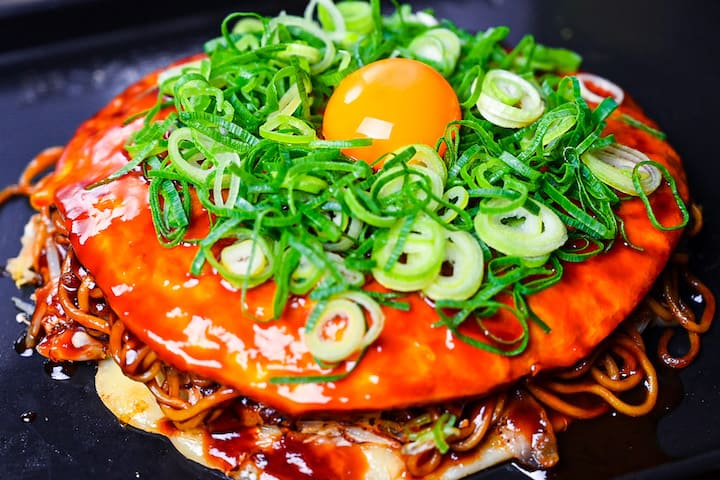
21,347
615,444
28,417
290,458
296,459
60,370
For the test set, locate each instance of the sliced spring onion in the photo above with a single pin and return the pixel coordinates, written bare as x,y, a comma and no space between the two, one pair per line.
248,25
348,21
305,276
508,100
238,258
287,129
351,277
409,255
246,263
409,184
375,318
225,186
432,436
585,79
330,17
556,123
347,324
288,103
614,165
532,262
193,167
326,58
459,197
682,208
520,232
464,257
363,212
357,16
560,59
179,70
405,15
352,227
642,126
439,47
338,331
427,157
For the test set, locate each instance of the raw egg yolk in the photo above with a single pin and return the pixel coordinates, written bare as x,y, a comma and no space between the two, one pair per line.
396,102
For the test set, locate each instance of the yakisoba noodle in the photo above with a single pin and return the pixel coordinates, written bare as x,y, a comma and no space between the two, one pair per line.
591,388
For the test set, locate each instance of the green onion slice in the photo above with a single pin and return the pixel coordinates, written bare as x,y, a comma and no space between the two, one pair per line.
178,70
324,58
459,198
247,262
440,47
413,184
520,232
409,255
193,165
428,158
305,276
614,165
347,324
347,21
464,260
508,100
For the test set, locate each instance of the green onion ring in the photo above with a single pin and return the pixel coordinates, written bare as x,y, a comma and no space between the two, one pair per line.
614,165
508,100
521,233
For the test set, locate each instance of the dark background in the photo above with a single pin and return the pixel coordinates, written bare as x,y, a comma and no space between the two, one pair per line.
61,60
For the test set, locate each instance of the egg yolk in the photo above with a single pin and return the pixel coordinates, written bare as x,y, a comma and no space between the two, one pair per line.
396,102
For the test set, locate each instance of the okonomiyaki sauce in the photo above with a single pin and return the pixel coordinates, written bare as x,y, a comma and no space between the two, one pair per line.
289,458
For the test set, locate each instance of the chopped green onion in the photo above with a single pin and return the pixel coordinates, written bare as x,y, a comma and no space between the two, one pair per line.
615,164
348,21
508,100
247,262
520,232
409,255
642,126
440,47
305,276
335,346
341,328
464,257
637,181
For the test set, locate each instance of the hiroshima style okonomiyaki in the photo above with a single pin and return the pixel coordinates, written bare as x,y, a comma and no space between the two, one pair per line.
348,245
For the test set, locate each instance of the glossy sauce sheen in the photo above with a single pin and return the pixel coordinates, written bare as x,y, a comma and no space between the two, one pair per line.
196,323
290,458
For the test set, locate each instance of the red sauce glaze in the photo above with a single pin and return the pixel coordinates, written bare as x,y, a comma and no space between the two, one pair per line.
196,323
289,458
